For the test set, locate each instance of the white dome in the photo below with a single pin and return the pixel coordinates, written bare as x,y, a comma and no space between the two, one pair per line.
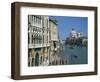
73,33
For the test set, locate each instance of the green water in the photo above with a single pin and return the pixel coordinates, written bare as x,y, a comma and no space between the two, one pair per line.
75,54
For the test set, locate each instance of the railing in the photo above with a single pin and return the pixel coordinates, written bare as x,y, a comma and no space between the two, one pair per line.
38,45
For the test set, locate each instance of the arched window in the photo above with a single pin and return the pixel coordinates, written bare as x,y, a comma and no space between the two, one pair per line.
32,39
41,60
28,39
37,59
32,61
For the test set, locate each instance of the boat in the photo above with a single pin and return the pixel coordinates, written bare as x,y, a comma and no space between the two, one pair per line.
71,47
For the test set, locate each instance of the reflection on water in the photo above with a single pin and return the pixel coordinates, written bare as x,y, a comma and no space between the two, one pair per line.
74,54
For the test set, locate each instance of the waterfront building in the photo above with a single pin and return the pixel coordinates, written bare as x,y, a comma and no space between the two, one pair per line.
84,41
79,35
46,44
38,40
54,39
73,34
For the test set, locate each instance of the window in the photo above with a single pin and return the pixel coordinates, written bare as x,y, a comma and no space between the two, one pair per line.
28,39
47,38
43,38
41,60
32,39
34,20
33,29
32,61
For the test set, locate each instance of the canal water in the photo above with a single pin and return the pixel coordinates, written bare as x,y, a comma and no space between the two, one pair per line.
74,54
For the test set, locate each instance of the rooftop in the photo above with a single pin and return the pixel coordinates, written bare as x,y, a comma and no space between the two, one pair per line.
54,21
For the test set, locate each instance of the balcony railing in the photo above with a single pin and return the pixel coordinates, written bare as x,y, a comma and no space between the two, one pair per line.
38,45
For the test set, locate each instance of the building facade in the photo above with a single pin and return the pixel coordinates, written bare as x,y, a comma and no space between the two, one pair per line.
43,40
54,39
38,40
79,35
73,34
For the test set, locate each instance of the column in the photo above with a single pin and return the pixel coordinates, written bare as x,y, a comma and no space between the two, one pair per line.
30,58
34,61
39,60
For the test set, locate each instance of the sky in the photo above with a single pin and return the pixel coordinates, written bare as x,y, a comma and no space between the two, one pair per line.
66,23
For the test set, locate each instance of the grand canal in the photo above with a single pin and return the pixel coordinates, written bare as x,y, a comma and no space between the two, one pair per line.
74,54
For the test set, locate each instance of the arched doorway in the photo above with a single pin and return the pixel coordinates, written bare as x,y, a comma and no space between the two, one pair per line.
37,59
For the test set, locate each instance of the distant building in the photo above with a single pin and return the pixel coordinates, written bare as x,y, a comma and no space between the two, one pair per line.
79,35
76,38
84,40
73,34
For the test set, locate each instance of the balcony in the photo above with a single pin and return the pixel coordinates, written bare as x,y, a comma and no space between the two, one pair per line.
38,45
35,45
